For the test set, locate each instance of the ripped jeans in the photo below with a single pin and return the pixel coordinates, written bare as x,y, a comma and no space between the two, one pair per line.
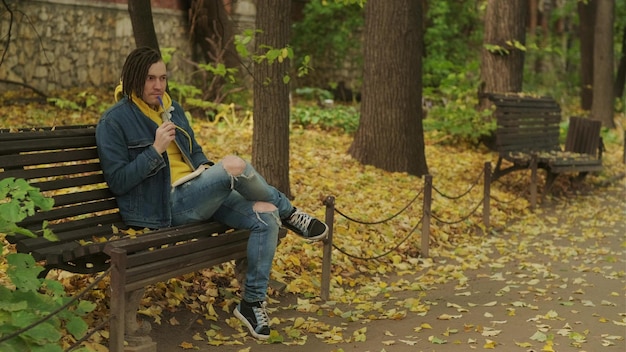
230,200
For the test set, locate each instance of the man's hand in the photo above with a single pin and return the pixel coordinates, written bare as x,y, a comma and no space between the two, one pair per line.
164,136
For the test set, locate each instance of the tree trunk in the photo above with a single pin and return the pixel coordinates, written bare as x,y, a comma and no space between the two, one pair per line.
212,32
533,12
270,142
140,12
620,80
502,65
390,134
587,18
603,95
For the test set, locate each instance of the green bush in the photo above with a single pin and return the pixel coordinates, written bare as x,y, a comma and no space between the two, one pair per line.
451,110
340,117
30,300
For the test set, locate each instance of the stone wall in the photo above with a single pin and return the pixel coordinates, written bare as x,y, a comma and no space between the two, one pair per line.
60,44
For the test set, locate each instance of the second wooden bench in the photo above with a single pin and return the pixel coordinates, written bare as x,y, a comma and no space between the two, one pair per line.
527,137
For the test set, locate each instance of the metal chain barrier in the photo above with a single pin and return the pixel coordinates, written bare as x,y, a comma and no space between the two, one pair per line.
329,202
465,217
383,254
362,222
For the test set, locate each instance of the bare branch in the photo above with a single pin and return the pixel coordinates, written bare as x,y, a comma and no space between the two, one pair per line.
6,46
25,86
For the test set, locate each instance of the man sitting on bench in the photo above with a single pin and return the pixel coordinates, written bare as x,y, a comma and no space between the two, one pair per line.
159,184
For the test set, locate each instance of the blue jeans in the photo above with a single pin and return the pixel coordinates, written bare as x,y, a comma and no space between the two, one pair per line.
230,199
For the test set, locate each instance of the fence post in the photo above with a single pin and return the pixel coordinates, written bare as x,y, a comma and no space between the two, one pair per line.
328,248
428,193
118,304
487,195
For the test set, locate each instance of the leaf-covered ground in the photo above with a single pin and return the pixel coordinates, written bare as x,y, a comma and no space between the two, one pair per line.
548,280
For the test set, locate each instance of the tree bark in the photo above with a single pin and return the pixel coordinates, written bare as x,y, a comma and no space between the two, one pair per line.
503,70
620,80
390,134
212,32
587,19
270,141
140,12
603,95
533,12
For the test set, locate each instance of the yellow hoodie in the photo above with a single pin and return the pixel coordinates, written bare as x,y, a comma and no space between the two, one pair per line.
178,166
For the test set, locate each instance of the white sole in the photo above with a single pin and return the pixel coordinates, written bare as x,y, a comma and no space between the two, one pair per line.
249,326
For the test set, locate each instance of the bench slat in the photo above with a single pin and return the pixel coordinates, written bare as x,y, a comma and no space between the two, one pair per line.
72,211
93,228
77,224
200,244
83,197
38,145
7,134
12,161
528,120
94,180
55,171
167,236
166,269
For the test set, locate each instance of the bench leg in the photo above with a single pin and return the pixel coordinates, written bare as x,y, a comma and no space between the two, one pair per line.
533,182
550,178
136,331
580,177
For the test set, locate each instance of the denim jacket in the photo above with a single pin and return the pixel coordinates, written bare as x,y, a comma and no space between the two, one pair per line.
136,173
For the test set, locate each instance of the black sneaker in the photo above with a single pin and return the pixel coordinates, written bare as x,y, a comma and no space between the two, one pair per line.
305,225
254,316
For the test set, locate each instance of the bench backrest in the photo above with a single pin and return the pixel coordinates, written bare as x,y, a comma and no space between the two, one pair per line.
583,136
63,163
526,124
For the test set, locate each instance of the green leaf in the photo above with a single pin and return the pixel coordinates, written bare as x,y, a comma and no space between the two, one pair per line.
54,287
13,345
11,211
23,272
539,336
12,306
47,233
272,55
275,337
23,318
47,348
496,49
44,333
42,202
85,307
77,327
437,341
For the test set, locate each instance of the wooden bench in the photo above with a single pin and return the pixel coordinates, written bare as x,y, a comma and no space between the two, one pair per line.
527,136
63,163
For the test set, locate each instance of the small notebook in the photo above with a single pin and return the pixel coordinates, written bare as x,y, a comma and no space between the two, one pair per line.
190,176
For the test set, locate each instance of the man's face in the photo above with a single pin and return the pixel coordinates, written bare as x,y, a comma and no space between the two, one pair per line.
155,85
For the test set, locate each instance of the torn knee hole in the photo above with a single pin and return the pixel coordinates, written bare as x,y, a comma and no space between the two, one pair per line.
264,207
234,165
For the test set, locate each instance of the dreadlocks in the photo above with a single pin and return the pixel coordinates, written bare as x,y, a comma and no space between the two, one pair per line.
136,68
